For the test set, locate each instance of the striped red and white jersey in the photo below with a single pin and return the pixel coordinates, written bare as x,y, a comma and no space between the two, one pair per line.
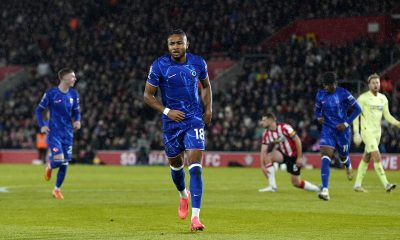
283,137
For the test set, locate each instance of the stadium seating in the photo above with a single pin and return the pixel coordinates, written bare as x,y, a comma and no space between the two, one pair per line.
111,44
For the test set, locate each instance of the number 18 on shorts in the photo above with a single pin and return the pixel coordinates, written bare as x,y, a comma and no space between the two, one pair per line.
177,141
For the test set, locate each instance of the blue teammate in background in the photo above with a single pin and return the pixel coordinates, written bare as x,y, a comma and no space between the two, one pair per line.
63,104
331,107
177,75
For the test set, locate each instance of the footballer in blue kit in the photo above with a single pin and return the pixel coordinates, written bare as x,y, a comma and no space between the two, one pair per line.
185,114
63,105
331,109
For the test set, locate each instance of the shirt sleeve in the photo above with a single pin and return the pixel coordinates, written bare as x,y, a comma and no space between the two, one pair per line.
318,106
43,104
265,139
154,74
203,71
349,99
288,131
76,110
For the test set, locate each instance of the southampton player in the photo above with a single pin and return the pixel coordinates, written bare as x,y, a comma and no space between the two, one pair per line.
281,144
63,104
331,107
177,75
373,105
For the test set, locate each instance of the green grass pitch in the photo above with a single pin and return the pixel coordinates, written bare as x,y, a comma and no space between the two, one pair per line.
113,202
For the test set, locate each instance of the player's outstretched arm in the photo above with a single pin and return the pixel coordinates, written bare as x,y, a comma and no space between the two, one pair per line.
206,96
389,117
153,102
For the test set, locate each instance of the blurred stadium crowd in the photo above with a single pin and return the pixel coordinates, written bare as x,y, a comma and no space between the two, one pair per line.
111,45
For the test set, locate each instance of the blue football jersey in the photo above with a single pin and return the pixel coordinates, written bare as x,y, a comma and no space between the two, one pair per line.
333,107
64,109
178,83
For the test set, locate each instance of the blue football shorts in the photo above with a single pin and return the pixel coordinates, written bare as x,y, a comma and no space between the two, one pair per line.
339,140
178,140
57,147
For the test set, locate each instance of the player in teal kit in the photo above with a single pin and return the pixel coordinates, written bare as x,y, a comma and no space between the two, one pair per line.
331,107
63,104
177,75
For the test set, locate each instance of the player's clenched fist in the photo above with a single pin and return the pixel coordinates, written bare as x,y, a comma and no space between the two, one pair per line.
45,129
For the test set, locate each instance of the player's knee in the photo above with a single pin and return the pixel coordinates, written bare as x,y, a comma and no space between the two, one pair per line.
376,157
177,161
176,164
195,156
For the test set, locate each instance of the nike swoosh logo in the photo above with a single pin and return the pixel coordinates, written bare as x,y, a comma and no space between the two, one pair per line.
57,101
172,75
194,195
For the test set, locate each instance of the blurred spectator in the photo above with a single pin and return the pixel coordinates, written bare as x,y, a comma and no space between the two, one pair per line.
387,85
41,146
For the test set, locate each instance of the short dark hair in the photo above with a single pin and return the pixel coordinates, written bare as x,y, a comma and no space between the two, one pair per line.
329,78
63,72
270,115
177,31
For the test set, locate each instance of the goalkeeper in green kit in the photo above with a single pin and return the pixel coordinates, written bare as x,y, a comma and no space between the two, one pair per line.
373,105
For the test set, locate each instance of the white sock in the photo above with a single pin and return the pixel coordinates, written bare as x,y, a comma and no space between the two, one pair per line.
195,212
183,194
310,187
271,176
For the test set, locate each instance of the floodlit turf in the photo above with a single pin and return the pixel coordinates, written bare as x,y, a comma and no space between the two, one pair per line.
104,202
